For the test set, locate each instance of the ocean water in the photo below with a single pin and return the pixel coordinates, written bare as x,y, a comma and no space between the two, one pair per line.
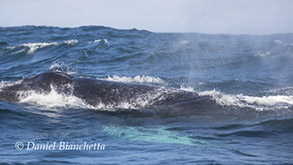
244,84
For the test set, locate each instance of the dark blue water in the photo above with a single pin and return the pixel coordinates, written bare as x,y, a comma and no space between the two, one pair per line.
249,77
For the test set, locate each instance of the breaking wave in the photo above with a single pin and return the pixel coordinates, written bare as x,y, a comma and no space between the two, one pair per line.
31,48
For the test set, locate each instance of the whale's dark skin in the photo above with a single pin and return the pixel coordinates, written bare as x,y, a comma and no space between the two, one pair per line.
94,91
40,83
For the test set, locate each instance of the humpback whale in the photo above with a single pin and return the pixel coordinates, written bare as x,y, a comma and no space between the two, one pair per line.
95,91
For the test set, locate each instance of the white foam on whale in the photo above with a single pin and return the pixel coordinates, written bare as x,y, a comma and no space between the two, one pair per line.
187,88
136,79
8,83
54,99
271,102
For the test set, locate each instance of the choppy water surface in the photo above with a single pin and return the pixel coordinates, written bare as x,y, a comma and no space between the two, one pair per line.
248,117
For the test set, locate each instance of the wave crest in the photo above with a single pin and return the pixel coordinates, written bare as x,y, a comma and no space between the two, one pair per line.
33,47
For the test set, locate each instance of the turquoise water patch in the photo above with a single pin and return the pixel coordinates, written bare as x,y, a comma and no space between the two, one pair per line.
156,135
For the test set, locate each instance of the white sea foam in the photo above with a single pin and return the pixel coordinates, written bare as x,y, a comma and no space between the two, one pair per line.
283,43
103,40
263,54
106,41
187,89
71,42
55,66
136,79
95,41
278,42
100,41
259,103
60,66
19,51
33,47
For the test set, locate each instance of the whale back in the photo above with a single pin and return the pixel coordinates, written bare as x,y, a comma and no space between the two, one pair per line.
40,83
46,81
48,78
102,92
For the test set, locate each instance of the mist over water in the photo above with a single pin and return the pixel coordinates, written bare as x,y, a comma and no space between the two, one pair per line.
243,112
